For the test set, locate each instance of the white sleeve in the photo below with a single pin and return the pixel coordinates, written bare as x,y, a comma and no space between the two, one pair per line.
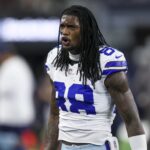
48,61
112,61
50,57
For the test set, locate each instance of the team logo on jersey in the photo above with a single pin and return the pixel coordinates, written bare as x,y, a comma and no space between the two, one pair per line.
118,56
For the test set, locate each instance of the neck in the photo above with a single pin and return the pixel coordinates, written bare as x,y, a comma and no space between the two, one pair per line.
74,57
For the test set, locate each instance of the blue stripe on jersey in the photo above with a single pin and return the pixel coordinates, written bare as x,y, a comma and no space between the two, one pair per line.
116,64
47,68
107,145
111,71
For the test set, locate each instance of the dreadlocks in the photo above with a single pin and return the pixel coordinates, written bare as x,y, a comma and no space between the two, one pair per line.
91,39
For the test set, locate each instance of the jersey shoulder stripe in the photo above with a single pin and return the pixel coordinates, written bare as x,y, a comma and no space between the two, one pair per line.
116,64
112,60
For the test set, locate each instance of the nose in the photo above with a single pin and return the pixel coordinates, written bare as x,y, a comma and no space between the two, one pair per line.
64,31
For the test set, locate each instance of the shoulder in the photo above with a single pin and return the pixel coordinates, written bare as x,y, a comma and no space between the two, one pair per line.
50,57
112,60
52,53
17,63
110,53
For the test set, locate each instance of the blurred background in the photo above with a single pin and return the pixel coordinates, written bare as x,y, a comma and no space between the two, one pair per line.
28,30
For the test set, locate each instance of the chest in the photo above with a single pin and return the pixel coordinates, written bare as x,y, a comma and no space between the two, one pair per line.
72,95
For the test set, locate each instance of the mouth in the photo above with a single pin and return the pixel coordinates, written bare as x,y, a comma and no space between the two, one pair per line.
65,41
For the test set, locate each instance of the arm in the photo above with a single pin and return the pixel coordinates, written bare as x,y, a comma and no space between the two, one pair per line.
121,94
51,140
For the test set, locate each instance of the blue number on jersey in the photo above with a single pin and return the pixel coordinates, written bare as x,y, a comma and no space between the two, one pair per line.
60,88
107,51
88,102
76,105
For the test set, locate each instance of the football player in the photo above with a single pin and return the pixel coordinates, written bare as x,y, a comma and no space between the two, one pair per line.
89,80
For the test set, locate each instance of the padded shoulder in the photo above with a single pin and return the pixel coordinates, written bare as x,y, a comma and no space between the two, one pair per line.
112,60
50,57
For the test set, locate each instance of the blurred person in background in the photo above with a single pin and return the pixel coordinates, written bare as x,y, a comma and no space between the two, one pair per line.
17,111
88,78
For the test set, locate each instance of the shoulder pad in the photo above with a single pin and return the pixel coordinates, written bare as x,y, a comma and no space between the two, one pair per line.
112,60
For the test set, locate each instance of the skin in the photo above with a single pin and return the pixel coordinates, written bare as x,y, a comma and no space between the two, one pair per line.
70,29
116,84
51,139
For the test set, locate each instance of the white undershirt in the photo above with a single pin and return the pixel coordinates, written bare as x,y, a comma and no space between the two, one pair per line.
74,57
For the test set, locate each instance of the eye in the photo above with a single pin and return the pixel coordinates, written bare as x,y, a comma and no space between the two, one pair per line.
62,26
73,27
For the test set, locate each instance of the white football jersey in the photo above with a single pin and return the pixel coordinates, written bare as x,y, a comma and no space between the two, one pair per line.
86,113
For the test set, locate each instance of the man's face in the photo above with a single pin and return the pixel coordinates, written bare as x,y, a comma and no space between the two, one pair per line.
70,32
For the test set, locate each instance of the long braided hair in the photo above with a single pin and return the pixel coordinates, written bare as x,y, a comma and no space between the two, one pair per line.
91,40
